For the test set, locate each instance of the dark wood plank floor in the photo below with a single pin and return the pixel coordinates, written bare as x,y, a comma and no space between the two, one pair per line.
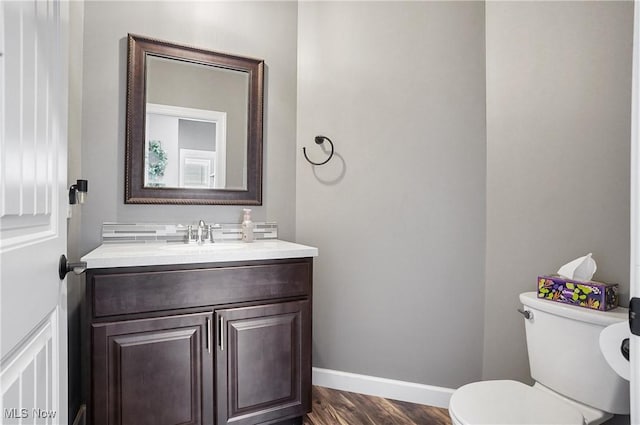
332,407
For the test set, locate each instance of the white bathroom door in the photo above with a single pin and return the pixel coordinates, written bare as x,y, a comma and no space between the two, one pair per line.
635,215
33,202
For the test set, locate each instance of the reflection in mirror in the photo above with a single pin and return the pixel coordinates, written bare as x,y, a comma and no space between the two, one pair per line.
179,93
194,126
176,136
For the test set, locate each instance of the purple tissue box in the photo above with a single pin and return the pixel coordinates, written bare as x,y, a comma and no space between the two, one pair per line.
593,295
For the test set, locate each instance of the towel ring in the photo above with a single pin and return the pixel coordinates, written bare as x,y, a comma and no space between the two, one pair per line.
319,140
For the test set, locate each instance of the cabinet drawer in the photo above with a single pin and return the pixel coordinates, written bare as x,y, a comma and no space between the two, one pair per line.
138,292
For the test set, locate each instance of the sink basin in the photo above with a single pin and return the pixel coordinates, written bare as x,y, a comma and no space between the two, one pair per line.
195,248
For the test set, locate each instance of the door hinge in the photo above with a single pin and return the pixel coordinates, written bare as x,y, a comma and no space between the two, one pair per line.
634,316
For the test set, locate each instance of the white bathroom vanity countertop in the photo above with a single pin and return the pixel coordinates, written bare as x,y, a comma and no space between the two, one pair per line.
154,254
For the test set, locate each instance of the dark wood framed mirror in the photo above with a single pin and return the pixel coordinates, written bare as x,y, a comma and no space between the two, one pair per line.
194,125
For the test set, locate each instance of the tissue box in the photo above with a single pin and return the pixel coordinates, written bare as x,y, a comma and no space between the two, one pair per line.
593,295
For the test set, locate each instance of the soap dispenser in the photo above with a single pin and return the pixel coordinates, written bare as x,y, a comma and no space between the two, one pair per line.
247,226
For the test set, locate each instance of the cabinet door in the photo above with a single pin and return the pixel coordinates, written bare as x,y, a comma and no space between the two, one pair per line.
156,371
263,363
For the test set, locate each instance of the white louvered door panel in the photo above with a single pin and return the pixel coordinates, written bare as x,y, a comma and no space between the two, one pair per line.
33,162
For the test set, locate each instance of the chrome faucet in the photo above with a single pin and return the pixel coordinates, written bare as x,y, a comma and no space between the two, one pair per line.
203,233
201,229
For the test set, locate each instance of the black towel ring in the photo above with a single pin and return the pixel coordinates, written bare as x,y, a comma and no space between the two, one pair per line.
319,140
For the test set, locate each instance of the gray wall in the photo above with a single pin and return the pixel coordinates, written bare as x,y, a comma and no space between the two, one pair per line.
427,198
399,213
98,110
265,30
558,132
194,134
412,259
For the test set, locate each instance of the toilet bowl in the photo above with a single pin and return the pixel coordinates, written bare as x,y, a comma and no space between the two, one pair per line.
574,384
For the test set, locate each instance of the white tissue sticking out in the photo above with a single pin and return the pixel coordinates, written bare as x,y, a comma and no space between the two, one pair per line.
611,339
581,268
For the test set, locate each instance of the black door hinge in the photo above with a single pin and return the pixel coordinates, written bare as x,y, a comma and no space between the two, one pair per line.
634,316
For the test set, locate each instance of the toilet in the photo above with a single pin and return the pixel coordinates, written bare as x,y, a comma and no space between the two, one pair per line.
573,382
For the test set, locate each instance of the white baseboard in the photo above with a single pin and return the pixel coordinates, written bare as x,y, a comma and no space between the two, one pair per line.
382,387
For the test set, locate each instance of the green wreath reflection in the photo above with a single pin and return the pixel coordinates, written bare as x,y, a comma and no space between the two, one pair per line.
157,160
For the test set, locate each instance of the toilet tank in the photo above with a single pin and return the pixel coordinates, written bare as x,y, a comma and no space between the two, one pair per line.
564,353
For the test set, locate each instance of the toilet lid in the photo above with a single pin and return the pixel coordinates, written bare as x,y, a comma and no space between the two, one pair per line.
510,402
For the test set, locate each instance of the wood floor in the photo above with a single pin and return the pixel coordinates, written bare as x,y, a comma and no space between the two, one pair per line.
332,407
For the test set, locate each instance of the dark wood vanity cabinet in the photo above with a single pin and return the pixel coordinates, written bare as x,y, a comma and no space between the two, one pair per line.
199,344
262,362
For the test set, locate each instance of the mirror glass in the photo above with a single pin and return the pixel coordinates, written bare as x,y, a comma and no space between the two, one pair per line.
194,125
